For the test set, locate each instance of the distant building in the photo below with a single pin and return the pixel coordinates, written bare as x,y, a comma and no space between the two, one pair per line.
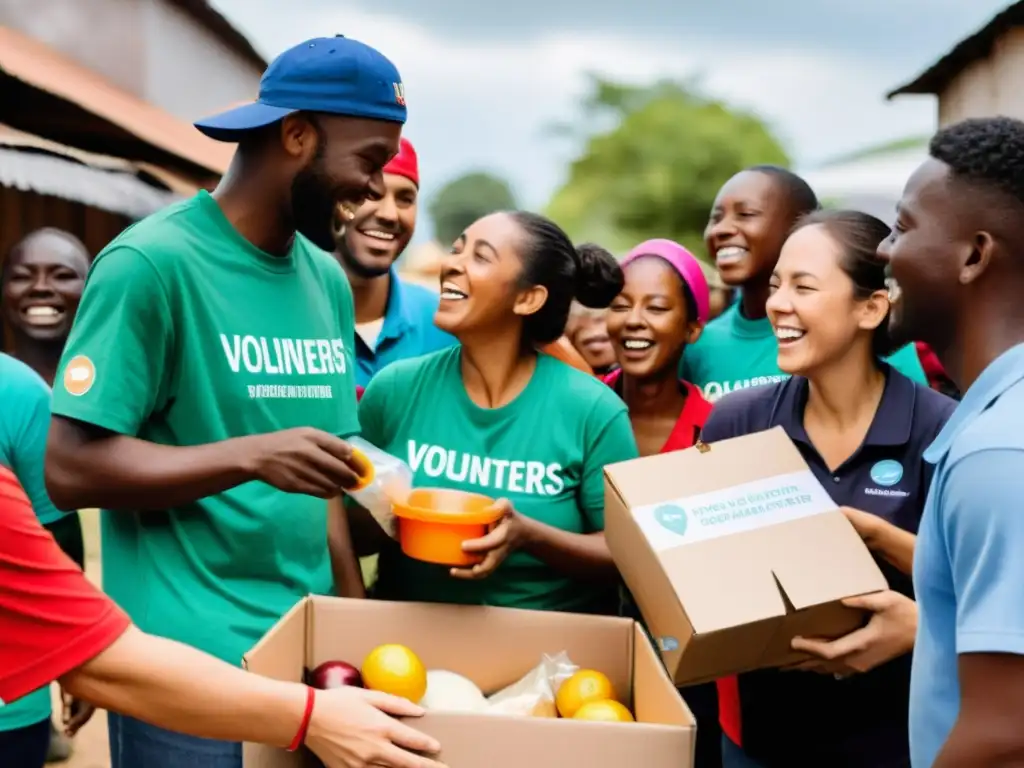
982,76
97,100
179,55
870,180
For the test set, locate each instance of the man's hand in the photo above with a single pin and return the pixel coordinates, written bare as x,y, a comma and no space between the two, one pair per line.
495,546
351,728
302,460
889,634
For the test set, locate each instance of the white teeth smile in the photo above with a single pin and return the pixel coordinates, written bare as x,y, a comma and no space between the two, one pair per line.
894,289
377,234
637,344
788,334
450,292
730,254
42,312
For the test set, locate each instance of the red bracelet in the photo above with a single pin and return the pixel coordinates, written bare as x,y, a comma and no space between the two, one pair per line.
300,736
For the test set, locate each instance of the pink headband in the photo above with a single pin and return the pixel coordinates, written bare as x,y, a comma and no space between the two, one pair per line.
683,262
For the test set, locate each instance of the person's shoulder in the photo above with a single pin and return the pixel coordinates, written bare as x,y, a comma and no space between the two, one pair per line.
422,367
931,408
579,387
744,411
16,376
998,427
152,244
159,232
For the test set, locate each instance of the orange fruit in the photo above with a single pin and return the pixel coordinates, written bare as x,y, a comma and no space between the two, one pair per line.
586,685
606,711
396,670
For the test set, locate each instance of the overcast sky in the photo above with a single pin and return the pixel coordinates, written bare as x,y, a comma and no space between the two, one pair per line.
483,80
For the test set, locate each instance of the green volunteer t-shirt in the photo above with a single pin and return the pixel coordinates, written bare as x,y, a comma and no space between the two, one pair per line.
188,334
24,422
545,452
736,353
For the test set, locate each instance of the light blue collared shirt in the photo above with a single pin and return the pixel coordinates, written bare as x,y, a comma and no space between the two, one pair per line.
968,564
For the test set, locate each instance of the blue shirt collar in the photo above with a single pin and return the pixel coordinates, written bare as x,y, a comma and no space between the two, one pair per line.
893,422
1001,374
397,317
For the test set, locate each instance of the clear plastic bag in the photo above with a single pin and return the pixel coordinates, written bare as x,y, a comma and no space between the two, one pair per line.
534,694
390,480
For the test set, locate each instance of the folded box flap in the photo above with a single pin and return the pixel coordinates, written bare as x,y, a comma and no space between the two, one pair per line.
820,559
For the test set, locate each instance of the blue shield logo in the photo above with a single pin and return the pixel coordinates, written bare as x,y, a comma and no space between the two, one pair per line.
887,473
672,517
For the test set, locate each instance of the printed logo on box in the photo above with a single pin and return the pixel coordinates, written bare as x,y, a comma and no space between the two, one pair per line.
672,517
744,507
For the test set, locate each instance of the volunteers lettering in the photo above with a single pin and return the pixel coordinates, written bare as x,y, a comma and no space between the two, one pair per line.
305,357
714,390
535,478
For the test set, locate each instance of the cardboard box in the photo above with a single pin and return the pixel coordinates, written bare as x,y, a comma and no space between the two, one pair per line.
731,550
494,647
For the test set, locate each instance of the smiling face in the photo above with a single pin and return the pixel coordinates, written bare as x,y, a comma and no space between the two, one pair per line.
587,331
344,158
748,225
649,322
924,254
43,283
813,307
381,229
481,280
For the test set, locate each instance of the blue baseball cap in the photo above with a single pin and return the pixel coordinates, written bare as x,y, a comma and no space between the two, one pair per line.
335,75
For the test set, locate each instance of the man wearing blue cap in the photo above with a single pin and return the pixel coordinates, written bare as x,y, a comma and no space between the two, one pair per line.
208,381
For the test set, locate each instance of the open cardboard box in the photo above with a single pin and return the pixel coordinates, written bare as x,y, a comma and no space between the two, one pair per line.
493,647
731,550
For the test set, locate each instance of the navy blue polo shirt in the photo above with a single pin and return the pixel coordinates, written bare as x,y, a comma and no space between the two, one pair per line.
408,329
804,718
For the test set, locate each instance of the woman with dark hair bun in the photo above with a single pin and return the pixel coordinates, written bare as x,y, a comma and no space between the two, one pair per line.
862,428
495,416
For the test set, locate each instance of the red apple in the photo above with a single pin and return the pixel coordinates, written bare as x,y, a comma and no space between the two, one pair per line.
335,674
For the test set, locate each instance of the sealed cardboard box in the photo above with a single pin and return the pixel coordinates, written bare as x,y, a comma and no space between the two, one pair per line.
731,550
493,647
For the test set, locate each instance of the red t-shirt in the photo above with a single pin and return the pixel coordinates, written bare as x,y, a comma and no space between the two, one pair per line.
691,419
52,619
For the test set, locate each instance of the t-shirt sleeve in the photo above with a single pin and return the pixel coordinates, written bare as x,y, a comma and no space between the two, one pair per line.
31,414
52,619
114,370
612,442
983,526
373,407
731,416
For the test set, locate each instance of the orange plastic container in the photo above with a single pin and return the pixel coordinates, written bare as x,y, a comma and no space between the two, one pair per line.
434,522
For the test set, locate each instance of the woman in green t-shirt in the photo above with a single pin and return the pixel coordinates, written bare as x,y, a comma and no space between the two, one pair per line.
494,416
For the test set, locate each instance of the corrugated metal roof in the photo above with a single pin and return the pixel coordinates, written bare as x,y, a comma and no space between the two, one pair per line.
41,67
47,174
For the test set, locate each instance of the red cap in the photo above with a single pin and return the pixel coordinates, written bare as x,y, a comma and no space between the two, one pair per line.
405,163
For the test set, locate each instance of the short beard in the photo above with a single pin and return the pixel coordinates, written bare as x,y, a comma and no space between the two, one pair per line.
352,265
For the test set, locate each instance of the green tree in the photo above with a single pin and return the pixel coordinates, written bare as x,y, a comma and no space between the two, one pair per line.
462,201
654,171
